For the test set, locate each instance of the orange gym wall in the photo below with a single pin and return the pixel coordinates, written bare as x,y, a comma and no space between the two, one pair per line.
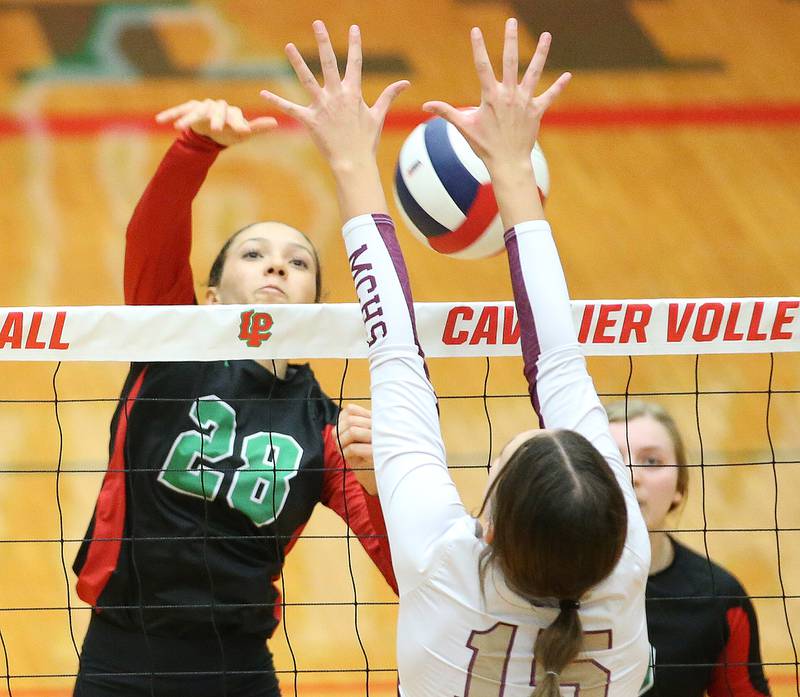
675,165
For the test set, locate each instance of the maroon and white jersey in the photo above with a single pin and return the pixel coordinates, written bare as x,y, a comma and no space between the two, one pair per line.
453,639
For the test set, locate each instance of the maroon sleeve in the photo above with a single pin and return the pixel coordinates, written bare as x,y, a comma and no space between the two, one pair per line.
738,671
342,493
159,236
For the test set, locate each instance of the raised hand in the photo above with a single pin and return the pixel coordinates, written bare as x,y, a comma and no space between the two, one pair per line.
338,119
504,127
216,119
345,129
354,434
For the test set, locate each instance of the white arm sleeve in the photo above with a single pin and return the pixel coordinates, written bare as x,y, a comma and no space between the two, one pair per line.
561,390
419,500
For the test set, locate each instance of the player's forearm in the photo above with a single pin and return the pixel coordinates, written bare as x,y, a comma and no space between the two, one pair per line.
358,187
561,390
516,192
400,385
416,491
362,512
540,289
158,239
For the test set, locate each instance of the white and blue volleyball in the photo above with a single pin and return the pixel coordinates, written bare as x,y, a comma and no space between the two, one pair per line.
444,194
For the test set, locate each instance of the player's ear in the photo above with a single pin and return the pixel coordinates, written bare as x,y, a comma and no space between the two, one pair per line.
488,532
212,296
677,500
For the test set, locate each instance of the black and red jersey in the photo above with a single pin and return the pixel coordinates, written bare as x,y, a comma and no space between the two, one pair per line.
703,629
214,467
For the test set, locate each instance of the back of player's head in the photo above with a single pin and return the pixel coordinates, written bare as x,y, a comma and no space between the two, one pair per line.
558,517
559,523
218,265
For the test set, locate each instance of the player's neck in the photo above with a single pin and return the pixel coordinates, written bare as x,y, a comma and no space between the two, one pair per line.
279,368
662,552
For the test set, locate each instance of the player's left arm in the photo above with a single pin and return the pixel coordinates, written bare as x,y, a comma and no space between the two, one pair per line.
739,671
502,131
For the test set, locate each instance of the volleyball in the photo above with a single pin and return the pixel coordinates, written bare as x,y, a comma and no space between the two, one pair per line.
444,194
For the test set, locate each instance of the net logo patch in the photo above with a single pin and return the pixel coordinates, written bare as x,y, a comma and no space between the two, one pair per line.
255,327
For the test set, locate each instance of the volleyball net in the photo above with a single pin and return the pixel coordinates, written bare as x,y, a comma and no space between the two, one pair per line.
727,369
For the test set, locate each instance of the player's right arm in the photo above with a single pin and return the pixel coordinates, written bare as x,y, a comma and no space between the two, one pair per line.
418,497
159,235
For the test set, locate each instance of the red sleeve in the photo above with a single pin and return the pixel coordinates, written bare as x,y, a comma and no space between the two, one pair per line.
738,671
159,237
342,493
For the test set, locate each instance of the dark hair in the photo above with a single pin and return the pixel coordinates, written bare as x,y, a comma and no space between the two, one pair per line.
630,409
559,524
215,274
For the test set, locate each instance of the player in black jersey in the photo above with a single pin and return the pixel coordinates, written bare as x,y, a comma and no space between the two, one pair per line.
701,623
215,467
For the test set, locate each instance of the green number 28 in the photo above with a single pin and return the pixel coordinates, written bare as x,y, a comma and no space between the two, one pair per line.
259,488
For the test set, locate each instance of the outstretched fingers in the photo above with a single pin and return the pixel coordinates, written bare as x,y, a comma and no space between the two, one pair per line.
200,113
236,120
510,55
327,57
177,111
536,66
352,73
483,65
218,115
239,124
546,98
384,101
303,72
263,123
289,108
445,110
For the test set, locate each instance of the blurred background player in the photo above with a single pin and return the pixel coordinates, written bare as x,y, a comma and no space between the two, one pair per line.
215,467
700,620
559,571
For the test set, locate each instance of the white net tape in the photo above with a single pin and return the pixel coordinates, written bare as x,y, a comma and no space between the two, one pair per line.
470,329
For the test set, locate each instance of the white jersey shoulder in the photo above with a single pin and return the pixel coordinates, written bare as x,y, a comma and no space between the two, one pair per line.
481,644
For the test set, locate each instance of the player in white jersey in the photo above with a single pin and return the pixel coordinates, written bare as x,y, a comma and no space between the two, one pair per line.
549,597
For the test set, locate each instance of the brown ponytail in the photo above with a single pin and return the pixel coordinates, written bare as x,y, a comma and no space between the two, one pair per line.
555,648
559,522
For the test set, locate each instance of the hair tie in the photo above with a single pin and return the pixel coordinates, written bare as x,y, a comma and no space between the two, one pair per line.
552,672
569,604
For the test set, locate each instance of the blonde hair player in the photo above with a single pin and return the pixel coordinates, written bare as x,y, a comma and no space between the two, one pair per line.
551,595
720,656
